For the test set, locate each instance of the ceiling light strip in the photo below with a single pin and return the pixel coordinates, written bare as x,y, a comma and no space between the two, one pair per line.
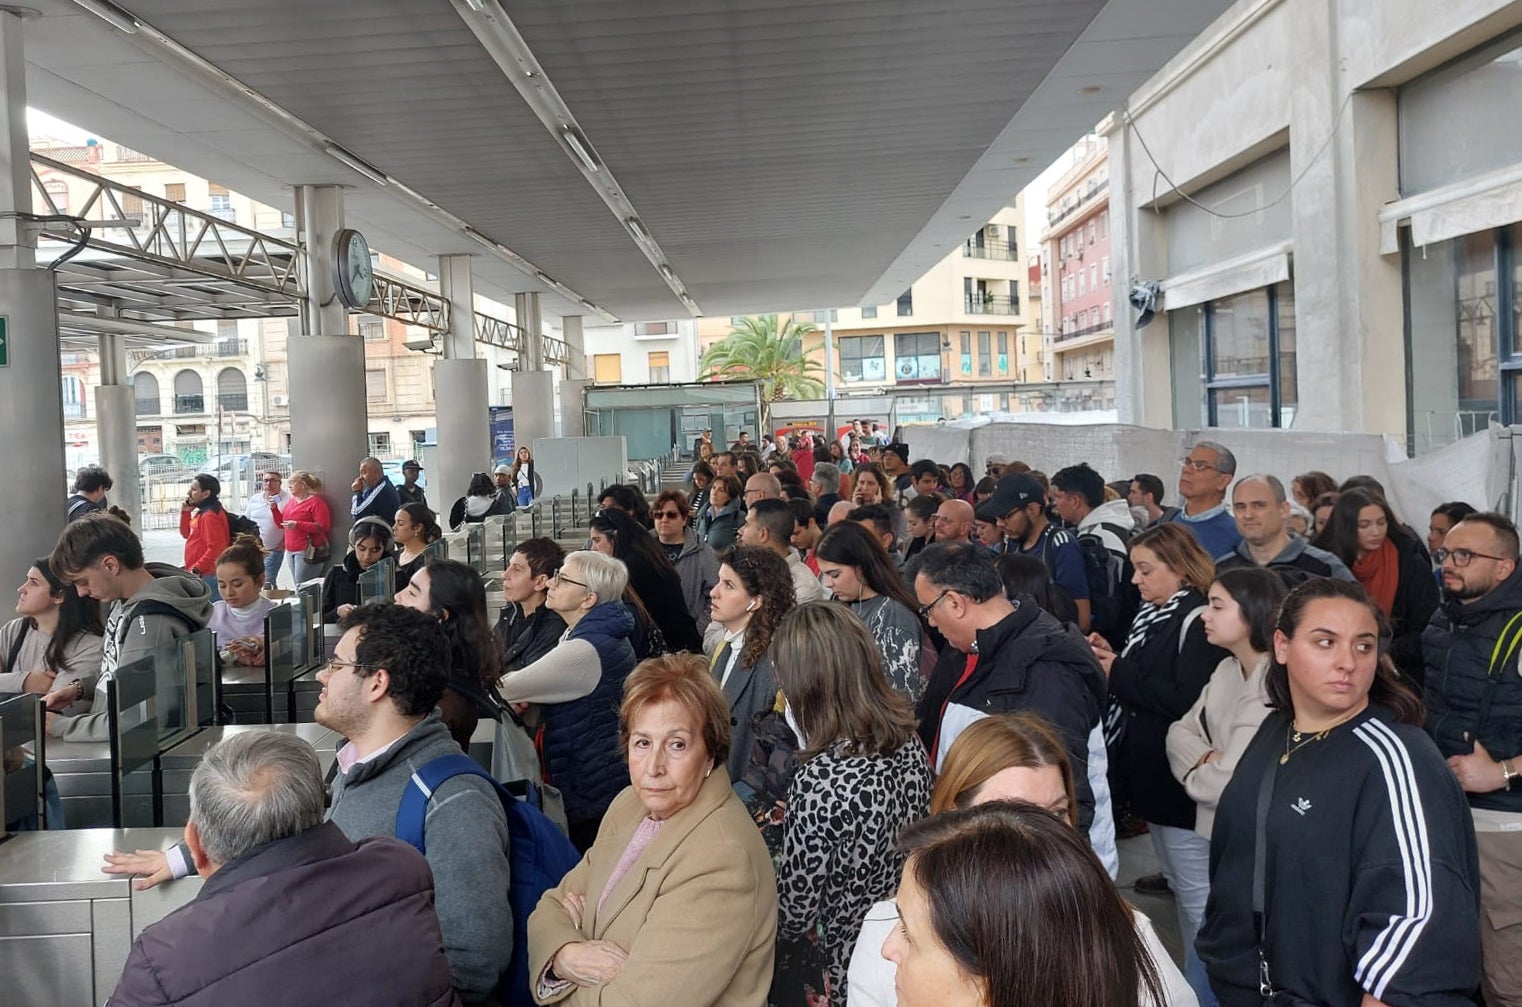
298,129
489,22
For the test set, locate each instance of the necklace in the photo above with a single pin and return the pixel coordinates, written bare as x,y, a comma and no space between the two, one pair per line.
1295,740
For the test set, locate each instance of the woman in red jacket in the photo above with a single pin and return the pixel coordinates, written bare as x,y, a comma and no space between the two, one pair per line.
306,521
203,526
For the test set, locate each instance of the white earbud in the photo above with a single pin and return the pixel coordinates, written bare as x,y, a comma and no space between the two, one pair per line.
751,605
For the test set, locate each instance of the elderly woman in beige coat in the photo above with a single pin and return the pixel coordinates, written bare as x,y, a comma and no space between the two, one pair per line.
676,902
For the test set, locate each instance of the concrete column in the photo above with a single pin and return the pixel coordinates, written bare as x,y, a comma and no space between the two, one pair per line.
31,404
116,422
527,308
533,405
459,389
329,418
576,349
572,415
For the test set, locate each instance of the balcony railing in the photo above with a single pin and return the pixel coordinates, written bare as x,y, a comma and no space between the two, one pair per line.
220,348
990,250
189,404
1088,195
1080,333
233,401
991,304
73,410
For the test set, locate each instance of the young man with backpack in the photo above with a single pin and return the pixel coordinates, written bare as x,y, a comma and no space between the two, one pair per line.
1103,530
379,691
1018,505
148,606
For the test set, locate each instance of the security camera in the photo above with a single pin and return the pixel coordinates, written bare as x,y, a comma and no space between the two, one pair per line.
421,344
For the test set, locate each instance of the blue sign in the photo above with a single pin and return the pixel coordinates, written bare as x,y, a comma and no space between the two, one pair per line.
502,446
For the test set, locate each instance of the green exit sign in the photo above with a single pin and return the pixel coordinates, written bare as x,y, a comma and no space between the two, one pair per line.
5,341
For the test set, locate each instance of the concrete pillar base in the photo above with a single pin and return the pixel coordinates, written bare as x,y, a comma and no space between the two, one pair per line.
329,429
464,427
533,406
31,414
116,424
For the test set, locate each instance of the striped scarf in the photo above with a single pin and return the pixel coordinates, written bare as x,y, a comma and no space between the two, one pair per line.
1148,621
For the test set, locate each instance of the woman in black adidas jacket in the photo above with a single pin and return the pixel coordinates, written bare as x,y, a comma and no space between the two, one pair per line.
1371,880
1155,679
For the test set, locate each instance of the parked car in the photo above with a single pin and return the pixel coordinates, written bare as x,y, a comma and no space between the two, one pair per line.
162,467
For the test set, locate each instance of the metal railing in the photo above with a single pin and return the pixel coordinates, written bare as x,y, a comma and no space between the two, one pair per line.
189,404
1002,250
1087,196
1089,330
991,304
160,231
236,401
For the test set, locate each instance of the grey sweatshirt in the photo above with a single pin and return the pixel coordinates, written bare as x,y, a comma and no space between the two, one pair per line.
466,834
131,635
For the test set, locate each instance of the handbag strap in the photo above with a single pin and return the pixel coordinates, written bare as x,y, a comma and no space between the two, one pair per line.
1260,872
10,659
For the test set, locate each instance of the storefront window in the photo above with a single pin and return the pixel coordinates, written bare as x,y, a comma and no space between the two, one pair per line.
861,358
1240,351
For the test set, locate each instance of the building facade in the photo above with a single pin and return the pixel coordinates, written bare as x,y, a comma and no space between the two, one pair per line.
1076,276
1333,235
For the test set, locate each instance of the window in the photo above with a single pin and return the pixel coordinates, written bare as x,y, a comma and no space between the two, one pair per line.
146,393
175,192
1093,230
73,390
985,355
1104,224
132,206
1004,353
1104,269
57,195
375,385
1107,318
287,220
917,357
232,390
1093,276
906,303
1082,287
1014,240
861,358
221,203
372,328
660,368
1463,334
380,444
655,329
966,352
869,312
607,368
1247,349
832,316
188,397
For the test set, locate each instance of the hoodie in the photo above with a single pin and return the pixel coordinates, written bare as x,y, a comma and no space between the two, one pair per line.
467,840
173,605
1114,514
1028,661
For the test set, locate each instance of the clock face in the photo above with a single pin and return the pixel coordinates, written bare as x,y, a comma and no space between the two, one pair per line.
352,270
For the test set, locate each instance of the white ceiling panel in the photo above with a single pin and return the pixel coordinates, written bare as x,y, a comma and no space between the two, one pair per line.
783,153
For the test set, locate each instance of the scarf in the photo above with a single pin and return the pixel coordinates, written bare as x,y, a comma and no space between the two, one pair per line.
1150,618
1379,573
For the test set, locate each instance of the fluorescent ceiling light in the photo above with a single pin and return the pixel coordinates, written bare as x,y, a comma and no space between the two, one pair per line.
366,169
637,228
578,145
111,14
668,272
476,5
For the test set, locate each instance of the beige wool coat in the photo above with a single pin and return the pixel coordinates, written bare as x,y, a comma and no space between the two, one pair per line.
697,912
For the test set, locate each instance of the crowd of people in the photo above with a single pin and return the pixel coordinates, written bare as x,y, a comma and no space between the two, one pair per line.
831,725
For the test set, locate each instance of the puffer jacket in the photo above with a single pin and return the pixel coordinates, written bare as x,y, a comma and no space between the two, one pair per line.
1459,645
581,753
288,916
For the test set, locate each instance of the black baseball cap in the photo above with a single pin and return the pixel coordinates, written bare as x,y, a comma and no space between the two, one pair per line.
410,464
1011,492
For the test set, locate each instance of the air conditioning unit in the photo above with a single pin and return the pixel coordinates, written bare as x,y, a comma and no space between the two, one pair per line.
280,401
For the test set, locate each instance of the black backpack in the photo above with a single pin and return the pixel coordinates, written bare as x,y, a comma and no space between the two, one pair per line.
237,525
1113,599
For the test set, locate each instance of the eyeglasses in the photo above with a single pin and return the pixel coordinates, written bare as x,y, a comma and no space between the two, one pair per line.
1196,464
560,576
1462,557
670,514
924,610
359,668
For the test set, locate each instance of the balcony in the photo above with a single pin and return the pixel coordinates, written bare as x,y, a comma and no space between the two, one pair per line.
974,249
1077,334
233,401
189,404
220,348
1093,192
74,410
991,304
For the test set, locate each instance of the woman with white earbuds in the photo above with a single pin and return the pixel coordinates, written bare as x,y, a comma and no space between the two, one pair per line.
754,592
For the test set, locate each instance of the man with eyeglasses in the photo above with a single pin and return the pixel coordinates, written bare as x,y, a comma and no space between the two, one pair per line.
954,521
1204,475
693,558
1009,657
258,510
380,691
1473,694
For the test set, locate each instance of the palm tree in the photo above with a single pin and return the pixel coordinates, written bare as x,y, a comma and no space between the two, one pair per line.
760,349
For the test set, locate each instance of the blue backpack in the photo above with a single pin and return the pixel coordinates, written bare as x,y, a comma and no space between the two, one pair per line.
539,854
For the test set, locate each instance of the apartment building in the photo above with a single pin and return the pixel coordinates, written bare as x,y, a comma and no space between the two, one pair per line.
1077,271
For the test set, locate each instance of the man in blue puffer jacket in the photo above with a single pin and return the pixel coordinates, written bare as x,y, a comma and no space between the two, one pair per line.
579,686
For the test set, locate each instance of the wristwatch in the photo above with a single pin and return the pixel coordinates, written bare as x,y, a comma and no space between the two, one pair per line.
1507,773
